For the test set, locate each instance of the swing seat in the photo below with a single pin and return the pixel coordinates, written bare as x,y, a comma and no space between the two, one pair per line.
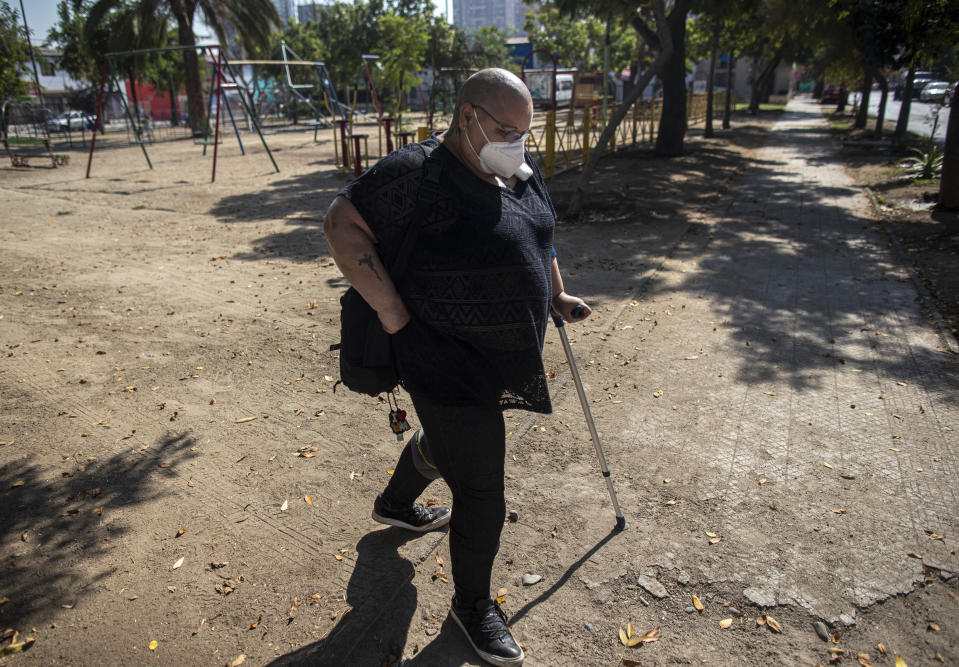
206,142
22,149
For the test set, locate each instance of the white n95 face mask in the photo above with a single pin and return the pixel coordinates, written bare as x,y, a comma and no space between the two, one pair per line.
505,159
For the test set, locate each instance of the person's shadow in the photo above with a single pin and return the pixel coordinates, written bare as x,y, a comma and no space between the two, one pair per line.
382,600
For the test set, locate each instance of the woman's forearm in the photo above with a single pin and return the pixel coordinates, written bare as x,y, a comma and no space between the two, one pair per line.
352,245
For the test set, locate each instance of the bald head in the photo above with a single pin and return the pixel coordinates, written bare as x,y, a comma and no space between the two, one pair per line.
494,88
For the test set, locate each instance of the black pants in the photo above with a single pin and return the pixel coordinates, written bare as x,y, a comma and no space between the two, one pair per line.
468,446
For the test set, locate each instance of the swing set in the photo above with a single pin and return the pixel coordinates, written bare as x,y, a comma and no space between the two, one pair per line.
110,82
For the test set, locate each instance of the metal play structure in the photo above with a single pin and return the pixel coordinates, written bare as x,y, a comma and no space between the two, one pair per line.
218,85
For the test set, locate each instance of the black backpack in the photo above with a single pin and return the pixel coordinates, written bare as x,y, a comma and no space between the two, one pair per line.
367,363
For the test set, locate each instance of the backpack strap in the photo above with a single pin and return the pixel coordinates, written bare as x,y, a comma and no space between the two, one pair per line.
427,195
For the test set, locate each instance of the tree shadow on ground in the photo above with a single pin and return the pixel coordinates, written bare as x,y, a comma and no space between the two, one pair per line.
790,270
60,532
300,202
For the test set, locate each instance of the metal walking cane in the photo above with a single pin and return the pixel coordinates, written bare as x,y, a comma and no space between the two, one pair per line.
558,321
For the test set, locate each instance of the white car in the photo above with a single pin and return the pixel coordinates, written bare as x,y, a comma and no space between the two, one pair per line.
936,91
69,121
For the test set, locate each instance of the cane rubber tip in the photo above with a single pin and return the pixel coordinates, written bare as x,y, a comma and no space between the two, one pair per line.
620,523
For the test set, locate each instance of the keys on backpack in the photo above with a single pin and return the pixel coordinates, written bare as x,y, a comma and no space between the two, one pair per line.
398,423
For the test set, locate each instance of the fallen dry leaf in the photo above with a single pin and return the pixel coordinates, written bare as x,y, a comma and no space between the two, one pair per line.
243,420
697,603
177,564
846,475
900,662
309,500
17,647
935,627
648,638
864,660
240,659
715,540
773,624
630,663
726,623
216,565
501,596
672,502
938,657
881,648
839,511
284,506
153,645
913,554
657,393
827,465
180,532
256,623
292,613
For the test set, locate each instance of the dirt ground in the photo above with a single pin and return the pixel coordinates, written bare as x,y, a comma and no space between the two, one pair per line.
926,236
176,468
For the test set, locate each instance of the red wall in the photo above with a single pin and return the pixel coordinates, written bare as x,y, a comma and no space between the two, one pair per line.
151,100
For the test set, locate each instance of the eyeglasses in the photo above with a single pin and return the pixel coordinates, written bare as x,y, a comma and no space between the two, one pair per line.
509,135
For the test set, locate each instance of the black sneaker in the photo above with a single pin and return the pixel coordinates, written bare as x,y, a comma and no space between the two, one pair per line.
412,517
485,627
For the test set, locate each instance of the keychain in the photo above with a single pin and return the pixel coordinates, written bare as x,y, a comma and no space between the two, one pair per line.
398,423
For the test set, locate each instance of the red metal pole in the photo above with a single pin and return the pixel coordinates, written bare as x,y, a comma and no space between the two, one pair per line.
219,91
389,134
357,161
96,123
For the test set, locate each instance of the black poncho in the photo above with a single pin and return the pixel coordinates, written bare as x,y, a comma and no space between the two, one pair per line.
478,282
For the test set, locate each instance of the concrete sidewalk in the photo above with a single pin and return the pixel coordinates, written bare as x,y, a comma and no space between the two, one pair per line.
819,372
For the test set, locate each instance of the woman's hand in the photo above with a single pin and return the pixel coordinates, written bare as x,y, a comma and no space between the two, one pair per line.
565,304
394,317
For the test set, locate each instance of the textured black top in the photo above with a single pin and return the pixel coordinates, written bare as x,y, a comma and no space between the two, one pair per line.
478,282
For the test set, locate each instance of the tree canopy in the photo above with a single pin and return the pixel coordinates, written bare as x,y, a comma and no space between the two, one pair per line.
14,54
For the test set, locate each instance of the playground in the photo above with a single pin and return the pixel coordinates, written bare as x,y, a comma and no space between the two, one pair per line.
180,484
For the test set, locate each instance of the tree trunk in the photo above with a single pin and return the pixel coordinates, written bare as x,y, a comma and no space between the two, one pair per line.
174,113
843,94
708,132
881,111
863,114
904,107
663,34
191,68
672,127
730,85
949,183
762,84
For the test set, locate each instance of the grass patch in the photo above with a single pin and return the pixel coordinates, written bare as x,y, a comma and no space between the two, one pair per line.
64,212
744,106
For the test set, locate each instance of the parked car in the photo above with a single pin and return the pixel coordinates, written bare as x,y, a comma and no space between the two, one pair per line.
920,81
830,95
70,120
936,91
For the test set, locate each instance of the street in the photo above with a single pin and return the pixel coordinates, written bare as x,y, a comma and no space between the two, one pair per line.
921,114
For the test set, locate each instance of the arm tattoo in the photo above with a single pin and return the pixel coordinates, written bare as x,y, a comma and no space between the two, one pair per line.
368,259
